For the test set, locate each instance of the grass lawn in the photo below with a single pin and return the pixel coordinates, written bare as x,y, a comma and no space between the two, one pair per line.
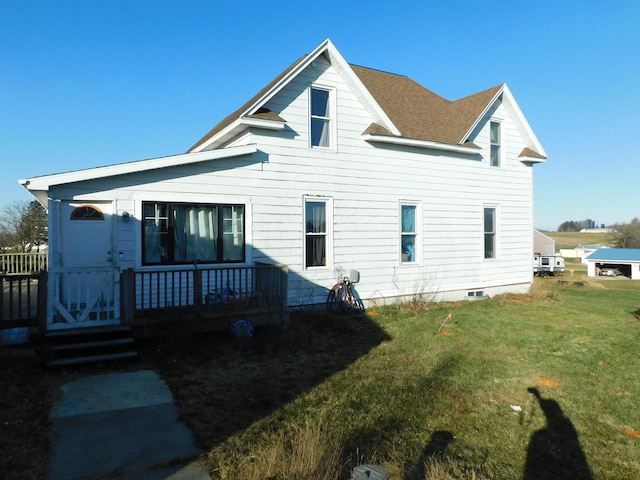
532,386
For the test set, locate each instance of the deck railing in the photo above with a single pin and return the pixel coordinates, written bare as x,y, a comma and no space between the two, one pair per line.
22,263
257,288
23,299
214,290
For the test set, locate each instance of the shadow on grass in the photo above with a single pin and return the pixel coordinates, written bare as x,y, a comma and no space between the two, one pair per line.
554,452
25,427
223,386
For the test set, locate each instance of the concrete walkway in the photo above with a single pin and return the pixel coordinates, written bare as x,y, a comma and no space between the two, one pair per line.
122,425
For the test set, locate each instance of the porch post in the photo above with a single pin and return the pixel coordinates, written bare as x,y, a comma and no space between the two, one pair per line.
127,296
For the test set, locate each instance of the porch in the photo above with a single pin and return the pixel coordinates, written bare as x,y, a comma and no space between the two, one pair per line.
190,296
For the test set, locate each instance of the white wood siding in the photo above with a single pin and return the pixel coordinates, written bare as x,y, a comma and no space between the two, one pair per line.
366,183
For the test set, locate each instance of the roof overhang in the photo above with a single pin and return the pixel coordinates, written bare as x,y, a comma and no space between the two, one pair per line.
410,142
237,127
39,186
529,160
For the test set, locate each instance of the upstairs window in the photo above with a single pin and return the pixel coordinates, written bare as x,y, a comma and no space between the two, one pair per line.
321,121
490,232
178,233
495,144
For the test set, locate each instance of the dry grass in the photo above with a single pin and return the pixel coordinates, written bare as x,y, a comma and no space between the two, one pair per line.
573,239
308,451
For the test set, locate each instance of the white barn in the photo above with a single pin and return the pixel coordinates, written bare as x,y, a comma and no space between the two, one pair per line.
330,168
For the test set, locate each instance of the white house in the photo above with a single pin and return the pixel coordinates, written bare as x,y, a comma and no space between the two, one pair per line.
330,168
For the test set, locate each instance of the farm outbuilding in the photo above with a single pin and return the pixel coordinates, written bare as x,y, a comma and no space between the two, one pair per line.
626,260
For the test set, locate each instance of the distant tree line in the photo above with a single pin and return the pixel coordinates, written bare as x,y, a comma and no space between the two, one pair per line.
23,227
572,225
620,235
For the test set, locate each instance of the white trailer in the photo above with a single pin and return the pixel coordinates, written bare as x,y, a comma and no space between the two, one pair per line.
545,265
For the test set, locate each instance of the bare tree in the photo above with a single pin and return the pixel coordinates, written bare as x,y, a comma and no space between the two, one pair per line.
23,226
626,235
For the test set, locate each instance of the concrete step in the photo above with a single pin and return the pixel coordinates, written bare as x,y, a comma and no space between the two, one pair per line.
88,344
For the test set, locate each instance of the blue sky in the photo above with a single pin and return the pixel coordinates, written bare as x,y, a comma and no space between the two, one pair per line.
88,83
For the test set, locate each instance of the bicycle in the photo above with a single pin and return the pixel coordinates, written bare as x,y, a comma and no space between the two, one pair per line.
341,298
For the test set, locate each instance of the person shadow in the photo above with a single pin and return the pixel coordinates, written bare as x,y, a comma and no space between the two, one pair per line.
554,452
438,443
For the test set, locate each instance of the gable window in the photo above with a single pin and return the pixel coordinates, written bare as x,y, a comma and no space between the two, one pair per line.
495,144
490,232
175,233
409,232
317,221
321,121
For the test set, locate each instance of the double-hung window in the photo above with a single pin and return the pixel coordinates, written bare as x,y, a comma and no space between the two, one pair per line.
317,231
496,143
490,232
410,232
321,121
178,233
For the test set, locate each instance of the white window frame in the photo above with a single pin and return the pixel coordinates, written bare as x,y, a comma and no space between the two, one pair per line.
499,144
328,201
331,119
418,233
495,232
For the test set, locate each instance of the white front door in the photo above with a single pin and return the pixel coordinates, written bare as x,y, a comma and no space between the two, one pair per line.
85,285
87,234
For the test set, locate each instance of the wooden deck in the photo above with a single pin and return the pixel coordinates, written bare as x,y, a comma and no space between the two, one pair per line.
188,297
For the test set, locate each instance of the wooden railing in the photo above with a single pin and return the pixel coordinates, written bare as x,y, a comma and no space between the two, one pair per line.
209,289
258,288
23,300
23,263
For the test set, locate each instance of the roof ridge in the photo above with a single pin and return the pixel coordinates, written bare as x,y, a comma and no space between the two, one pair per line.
377,70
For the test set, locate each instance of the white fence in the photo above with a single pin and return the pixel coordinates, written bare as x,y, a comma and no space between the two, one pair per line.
23,263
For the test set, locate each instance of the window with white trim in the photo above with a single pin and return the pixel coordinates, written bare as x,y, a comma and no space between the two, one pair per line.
179,233
490,232
496,143
317,232
410,238
321,118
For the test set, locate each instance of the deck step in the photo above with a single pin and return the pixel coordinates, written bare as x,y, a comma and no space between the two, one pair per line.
96,344
88,344
91,359
83,331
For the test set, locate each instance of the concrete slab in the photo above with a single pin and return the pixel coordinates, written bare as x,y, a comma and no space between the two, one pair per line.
122,424
111,391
